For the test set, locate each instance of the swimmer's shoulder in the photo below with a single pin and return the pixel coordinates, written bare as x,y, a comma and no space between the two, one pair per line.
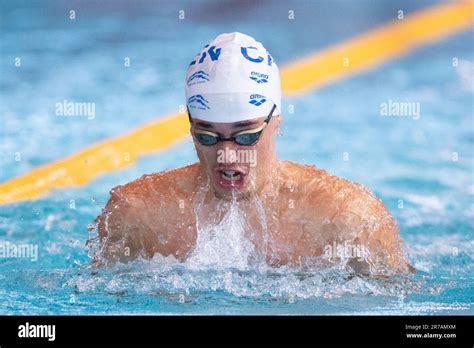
148,214
310,180
318,182
353,212
154,197
330,198
298,174
163,185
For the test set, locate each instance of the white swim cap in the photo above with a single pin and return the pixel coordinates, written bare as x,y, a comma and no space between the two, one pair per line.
232,79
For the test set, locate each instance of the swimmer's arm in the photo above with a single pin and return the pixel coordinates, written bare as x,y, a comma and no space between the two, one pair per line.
121,228
379,235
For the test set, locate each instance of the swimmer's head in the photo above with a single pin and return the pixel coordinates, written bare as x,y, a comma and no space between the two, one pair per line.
233,96
234,78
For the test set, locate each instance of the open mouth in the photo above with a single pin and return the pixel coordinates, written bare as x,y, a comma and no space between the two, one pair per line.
230,175
230,178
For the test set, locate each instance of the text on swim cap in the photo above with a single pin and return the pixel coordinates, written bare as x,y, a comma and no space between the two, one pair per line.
258,77
214,54
259,59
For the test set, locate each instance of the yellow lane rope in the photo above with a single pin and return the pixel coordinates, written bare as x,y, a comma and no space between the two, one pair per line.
393,39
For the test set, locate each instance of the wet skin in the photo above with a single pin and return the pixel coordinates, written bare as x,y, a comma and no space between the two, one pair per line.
305,209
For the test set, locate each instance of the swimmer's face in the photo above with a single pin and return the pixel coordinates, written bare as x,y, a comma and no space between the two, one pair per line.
232,168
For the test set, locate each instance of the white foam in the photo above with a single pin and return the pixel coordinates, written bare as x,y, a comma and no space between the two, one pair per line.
223,245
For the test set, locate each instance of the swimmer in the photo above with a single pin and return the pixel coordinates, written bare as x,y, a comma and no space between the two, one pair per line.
293,212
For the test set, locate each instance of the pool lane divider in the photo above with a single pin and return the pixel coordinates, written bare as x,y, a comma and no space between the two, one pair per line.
394,39
365,51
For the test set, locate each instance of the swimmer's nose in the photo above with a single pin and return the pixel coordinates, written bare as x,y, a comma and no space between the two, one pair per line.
228,145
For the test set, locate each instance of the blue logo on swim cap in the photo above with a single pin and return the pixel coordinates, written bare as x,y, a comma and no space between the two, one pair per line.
198,102
258,59
257,99
245,53
213,52
258,77
200,77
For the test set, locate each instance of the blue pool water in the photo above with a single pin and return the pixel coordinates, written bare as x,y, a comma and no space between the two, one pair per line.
422,167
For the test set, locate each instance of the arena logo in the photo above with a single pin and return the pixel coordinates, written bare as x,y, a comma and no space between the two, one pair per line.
258,77
257,99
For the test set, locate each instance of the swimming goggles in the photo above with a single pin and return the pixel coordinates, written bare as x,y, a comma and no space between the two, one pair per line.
246,138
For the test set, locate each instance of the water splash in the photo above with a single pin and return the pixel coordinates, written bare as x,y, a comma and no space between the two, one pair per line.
221,244
225,263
